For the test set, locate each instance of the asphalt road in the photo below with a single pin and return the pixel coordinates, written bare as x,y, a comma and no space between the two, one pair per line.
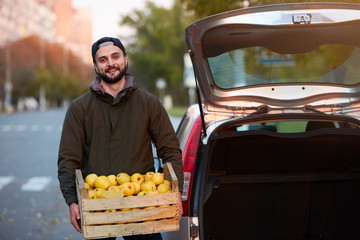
31,204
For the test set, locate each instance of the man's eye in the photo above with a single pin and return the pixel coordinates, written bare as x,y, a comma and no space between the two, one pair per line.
102,60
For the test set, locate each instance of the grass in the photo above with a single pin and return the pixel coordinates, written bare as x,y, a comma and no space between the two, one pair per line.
177,111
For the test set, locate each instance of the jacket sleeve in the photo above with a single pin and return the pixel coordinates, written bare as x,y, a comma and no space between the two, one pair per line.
70,153
165,139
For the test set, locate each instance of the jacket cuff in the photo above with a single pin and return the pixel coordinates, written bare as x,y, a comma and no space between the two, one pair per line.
71,200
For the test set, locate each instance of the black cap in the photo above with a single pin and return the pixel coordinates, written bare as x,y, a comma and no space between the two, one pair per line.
106,41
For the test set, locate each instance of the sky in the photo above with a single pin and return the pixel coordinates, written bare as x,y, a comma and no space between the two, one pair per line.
107,14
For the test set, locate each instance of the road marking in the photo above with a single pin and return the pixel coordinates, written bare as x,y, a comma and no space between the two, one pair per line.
32,128
5,181
35,128
6,128
49,128
36,184
20,127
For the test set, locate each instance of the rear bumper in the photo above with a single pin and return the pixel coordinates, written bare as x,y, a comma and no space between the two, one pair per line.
183,234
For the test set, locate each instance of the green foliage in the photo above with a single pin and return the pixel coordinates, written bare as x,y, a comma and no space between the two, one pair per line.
177,111
157,48
27,77
309,65
57,85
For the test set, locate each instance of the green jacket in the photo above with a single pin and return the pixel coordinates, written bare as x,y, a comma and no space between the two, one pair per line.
106,135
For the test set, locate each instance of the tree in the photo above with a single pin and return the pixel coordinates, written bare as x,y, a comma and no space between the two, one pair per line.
157,48
27,75
204,8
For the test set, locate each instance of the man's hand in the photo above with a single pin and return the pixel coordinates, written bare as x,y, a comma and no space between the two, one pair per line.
75,216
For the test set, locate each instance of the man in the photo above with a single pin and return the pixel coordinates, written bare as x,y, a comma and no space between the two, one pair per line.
110,128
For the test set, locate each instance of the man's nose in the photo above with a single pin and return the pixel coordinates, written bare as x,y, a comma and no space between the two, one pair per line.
110,62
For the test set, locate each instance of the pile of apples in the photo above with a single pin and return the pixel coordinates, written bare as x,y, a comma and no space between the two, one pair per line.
125,185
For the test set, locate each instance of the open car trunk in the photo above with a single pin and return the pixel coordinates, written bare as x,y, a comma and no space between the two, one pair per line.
268,185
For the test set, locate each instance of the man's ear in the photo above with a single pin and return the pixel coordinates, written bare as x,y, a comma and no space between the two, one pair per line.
96,70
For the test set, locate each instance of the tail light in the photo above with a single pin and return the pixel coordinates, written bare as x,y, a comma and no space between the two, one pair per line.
189,159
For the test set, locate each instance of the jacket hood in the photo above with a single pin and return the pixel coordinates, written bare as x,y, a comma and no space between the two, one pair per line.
122,96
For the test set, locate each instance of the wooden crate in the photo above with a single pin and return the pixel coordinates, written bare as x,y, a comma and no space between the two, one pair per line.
95,223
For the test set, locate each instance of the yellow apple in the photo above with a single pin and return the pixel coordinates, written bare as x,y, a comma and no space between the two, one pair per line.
147,221
112,194
112,179
157,178
114,188
102,182
90,179
125,209
99,192
147,186
163,188
151,192
137,187
128,188
165,205
92,194
137,177
110,210
141,193
167,182
149,207
122,178
148,176
87,186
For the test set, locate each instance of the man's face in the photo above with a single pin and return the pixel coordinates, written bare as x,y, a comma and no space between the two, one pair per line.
110,63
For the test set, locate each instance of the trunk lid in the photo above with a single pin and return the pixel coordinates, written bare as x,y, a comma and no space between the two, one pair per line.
285,57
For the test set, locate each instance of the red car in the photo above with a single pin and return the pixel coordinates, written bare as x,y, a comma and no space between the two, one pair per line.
272,149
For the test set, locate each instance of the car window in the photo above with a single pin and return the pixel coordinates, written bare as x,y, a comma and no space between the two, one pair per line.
289,126
329,63
181,130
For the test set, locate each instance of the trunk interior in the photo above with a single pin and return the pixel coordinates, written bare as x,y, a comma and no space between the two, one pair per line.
268,185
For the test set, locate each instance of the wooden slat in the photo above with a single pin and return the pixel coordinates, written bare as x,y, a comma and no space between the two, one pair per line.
81,193
174,180
79,178
166,225
131,216
81,186
130,202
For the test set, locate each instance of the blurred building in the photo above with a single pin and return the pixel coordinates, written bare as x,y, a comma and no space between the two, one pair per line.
51,20
21,18
74,28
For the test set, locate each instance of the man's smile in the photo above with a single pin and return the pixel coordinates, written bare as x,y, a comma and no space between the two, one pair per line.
112,70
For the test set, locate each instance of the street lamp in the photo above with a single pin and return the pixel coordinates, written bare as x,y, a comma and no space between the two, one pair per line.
8,83
161,85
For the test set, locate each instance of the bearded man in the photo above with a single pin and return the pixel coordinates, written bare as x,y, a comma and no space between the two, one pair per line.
110,129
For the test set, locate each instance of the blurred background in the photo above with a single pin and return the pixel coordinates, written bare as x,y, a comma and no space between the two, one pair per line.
45,63
45,56
45,59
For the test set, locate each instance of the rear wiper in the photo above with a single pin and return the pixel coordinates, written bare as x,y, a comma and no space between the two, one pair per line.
311,108
261,110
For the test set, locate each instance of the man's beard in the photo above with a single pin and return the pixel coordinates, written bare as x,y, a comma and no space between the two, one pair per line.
117,78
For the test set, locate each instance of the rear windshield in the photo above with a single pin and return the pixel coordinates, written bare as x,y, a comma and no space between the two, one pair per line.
329,63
